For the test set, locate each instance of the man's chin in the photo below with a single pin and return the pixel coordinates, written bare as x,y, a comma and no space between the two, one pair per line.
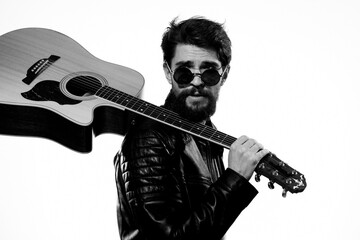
196,110
197,102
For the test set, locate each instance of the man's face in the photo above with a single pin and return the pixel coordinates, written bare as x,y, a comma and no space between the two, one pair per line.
197,101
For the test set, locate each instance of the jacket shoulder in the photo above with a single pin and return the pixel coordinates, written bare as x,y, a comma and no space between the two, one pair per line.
146,132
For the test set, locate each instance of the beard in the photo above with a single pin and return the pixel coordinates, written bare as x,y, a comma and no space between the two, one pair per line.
198,112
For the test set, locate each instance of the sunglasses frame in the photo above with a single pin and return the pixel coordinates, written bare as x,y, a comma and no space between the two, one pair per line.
196,74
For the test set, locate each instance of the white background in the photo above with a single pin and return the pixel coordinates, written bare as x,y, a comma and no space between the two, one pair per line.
293,86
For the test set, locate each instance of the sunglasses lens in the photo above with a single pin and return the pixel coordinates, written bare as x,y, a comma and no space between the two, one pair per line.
183,75
210,77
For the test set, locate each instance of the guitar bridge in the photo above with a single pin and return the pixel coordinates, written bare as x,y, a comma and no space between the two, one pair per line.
37,68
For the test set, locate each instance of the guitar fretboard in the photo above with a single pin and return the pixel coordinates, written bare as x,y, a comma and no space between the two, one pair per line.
164,115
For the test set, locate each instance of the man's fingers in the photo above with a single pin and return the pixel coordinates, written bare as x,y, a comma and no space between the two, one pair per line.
262,153
242,139
252,145
256,147
249,143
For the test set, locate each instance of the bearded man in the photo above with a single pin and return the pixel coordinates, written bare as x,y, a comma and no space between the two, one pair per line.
172,185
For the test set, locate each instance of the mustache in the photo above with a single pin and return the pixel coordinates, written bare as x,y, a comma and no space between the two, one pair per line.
195,92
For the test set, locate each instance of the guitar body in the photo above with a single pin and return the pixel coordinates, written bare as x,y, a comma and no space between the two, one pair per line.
39,73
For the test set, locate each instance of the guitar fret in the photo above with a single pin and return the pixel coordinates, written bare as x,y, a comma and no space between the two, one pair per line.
171,118
131,102
197,129
107,92
111,95
178,123
149,109
229,140
116,98
155,113
218,136
138,105
126,100
101,92
167,116
186,126
162,116
120,98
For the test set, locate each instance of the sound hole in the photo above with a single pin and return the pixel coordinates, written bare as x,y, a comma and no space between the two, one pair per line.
83,85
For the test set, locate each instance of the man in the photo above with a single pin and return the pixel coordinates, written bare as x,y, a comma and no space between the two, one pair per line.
172,185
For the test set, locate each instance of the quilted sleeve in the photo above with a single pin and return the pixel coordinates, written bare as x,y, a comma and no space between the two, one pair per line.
154,187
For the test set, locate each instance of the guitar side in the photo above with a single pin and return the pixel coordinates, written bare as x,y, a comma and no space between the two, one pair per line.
37,68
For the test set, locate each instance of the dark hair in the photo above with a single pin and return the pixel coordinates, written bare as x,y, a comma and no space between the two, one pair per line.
200,32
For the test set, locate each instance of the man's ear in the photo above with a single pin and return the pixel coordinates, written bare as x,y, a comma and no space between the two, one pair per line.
225,75
167,72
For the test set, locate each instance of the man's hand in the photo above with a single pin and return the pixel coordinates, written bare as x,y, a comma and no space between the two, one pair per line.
245,154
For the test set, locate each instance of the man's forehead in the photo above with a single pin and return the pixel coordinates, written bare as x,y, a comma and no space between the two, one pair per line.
202,64
191,55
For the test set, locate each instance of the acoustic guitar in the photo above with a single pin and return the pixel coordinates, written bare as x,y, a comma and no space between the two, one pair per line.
51,87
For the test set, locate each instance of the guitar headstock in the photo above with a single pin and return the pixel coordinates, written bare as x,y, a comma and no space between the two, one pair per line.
279,172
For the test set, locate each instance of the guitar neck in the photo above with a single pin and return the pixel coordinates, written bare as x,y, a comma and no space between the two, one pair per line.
164,115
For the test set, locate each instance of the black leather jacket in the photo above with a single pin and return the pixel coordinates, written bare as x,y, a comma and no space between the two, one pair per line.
173,186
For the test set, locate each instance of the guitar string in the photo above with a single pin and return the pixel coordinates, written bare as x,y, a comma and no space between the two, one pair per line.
157,111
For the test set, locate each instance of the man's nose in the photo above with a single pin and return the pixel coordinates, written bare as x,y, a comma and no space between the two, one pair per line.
197,80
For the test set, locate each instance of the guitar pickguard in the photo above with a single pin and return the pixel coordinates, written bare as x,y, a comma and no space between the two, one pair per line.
48,90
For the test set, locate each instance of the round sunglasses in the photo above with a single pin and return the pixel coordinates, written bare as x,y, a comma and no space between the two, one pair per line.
183,75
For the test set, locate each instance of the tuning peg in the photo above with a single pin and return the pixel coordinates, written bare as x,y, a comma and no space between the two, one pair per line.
257,177
284,193
271,185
